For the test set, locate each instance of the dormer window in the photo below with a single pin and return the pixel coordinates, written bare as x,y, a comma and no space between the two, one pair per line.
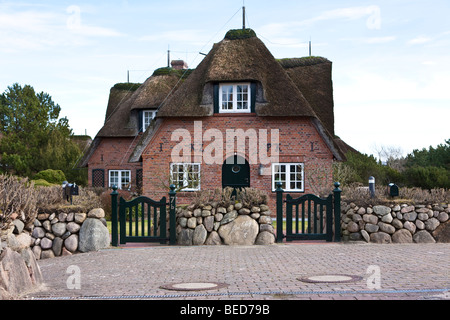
147,117
235,98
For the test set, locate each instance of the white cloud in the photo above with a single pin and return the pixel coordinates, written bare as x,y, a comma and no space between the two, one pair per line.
419,40
31,28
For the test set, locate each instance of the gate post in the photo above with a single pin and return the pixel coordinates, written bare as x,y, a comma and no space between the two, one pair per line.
114,214
337,212
280,234
172,215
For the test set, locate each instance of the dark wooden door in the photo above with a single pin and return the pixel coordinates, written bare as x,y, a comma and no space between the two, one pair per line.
236,173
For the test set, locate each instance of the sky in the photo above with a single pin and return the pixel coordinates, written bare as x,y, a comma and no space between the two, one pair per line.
391,58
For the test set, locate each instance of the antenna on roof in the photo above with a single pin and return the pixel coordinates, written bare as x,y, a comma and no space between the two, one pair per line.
168,56
243,16
310,47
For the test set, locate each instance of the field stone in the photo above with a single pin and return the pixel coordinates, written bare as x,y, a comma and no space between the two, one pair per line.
46,243
241,231
420,225
73,227
71,243
370,218
97,213
70,217
208,222
47,225
185,237
38,233
59,229
387,218
62,217
192,223
229,217
353,227
423,236
18,226
381,210
410,216
443,217
385,227
432,224
402,236
80,217
213,239
365,235
57,246
265,238
411,227
93,236
380,237
47,254
397,224
199,236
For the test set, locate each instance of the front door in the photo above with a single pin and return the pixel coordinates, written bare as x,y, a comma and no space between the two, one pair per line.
236,173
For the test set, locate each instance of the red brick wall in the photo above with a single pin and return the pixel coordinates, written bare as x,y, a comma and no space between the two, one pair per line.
296,136
113,154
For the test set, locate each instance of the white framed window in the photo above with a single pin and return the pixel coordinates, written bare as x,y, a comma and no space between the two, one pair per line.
235,98
186,176
120,178
147,117
291,175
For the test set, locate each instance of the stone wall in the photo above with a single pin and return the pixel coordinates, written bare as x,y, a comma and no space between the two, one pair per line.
19,272
211,224
395,223
61,233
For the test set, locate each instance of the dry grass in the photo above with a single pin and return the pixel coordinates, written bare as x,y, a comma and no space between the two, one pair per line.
17,197
249,197
360,195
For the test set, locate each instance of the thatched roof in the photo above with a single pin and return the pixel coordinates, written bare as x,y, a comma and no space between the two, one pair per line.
150,95
125,101
242,59
313,77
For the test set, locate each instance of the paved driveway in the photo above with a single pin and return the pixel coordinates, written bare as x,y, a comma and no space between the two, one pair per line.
282,271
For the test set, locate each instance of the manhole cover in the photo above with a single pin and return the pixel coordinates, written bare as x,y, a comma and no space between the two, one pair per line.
332,278
194,286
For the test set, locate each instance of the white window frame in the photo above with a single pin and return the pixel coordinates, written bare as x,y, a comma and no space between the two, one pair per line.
186,177
235,96
120,183
288,177
145,114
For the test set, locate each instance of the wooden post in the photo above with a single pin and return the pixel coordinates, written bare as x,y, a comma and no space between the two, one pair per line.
337,212
114,223
280,234
173,215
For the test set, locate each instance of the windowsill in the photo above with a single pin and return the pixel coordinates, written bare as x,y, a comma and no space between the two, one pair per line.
235,114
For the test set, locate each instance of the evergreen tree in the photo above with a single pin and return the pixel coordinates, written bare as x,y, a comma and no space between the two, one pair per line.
33,137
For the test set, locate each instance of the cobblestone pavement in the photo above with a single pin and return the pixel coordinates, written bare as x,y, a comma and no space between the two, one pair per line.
407,272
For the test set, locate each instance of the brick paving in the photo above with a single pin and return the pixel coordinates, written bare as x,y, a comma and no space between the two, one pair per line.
408,272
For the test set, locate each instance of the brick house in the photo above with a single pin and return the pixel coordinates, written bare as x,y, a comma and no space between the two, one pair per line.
242,118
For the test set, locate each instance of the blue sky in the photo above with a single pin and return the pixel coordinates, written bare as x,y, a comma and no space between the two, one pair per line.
391,59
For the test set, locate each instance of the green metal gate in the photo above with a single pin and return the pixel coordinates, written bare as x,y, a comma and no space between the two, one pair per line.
143,220
309,217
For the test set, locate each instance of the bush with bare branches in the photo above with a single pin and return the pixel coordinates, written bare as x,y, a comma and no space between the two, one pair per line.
17,200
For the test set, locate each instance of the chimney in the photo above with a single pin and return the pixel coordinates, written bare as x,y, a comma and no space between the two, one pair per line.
179,65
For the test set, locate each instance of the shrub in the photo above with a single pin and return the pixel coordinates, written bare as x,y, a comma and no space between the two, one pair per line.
51,176
17,197
42,183
249,197
105,200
